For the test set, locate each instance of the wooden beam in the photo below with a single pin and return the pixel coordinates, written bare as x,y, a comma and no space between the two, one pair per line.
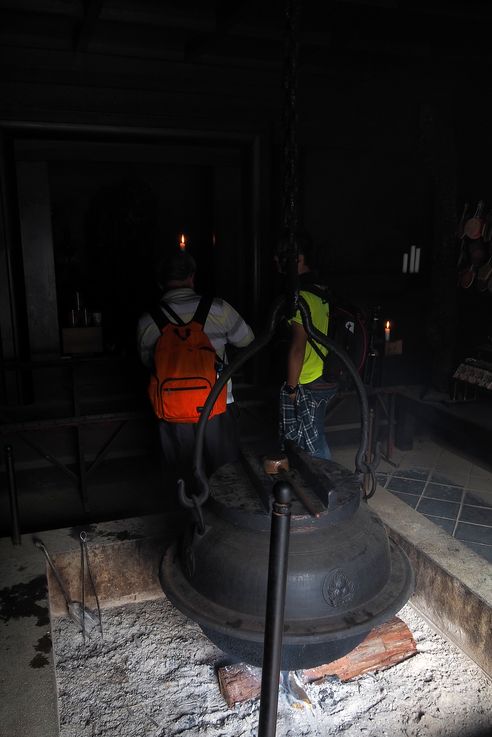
439,9
83,34
226,14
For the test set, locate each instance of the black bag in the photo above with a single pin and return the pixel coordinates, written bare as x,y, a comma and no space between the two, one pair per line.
346,327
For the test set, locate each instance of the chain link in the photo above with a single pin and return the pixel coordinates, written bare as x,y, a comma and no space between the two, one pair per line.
291,154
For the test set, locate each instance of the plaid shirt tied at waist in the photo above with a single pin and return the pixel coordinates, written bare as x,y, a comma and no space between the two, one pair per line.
297,419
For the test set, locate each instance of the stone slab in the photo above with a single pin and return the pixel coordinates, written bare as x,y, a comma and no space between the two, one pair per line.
453,585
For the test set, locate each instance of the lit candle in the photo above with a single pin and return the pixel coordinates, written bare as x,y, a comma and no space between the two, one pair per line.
387,331
182,243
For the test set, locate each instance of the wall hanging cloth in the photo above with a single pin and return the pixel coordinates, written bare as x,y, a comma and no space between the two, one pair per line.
475,252
487,228
474,226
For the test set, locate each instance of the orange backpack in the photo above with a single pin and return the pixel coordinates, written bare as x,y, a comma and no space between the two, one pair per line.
186,367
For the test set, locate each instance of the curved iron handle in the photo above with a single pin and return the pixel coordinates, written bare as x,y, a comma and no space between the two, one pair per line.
360,463
277,312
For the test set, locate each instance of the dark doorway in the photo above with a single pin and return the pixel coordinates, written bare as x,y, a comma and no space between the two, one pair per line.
118,209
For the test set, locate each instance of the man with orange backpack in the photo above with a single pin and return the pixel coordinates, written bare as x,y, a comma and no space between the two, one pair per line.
182,341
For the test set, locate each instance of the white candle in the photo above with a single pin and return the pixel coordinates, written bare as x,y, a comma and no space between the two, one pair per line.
412,259
404,268
387,331
417,260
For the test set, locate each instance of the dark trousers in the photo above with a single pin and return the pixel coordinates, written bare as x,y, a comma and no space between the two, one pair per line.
322,393
221,444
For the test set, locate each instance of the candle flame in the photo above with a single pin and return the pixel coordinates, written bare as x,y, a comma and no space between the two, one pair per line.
387,324
182,243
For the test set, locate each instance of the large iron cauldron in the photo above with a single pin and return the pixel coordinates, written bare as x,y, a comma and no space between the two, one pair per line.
344,575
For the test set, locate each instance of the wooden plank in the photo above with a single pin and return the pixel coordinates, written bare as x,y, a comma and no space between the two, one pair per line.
92,11
384,646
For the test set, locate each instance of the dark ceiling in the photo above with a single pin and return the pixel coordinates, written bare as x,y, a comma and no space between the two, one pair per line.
217,64
248,33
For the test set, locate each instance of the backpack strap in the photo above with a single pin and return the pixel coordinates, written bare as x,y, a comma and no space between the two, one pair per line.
202,310
322,294
319,291
171,312
200,317
159,318
316,347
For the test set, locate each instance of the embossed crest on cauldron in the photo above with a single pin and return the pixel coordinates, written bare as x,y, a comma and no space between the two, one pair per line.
338,590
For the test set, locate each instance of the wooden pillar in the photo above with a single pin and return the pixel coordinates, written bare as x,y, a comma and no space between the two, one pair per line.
39,264
15,386
9,348
229,256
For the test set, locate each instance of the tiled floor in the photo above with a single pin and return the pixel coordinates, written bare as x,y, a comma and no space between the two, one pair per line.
453,491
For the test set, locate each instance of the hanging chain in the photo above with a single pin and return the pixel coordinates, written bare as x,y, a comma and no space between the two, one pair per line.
290,152
291,59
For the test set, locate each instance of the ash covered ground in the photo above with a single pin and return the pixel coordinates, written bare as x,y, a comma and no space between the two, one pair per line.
154,675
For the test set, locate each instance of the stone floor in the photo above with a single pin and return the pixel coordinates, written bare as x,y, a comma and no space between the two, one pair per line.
450,489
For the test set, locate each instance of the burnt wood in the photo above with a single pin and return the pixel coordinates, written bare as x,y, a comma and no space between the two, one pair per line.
385,646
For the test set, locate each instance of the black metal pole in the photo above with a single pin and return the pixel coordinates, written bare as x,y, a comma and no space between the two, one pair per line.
14,508
274,618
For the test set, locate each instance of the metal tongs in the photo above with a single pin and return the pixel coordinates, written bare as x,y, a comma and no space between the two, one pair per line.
84,562
84,618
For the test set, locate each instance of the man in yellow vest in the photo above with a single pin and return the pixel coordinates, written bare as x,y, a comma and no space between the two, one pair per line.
306,394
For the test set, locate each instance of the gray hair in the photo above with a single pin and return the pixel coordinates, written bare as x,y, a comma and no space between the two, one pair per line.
177,267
